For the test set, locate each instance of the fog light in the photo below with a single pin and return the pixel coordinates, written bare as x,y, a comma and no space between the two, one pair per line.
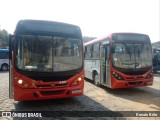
20,81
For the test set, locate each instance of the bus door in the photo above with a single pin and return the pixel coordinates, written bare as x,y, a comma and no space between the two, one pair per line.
104,65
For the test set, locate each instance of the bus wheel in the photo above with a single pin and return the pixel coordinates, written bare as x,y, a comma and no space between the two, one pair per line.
4,67
96,80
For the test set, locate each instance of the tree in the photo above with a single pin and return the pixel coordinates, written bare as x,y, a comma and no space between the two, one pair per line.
4,38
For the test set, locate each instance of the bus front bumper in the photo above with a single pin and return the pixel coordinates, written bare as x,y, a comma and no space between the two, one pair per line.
41,94
130,84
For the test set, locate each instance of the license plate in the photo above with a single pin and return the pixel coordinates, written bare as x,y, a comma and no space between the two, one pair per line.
76,91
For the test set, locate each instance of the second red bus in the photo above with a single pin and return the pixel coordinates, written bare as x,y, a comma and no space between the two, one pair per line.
120,60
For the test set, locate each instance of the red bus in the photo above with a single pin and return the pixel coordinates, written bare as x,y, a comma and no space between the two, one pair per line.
46,60
120,60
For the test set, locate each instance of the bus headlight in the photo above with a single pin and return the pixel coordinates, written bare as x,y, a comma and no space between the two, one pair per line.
77,81
23,84
20,81
149,75
117,76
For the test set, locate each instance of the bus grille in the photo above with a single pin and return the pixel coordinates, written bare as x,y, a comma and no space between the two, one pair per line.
54,92
51,86
135,78
135,83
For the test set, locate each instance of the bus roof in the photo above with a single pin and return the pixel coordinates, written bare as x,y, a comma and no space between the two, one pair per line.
4,50
110,36
95,40
37,26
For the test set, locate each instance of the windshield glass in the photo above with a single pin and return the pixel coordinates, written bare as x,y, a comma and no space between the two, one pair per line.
132,56
48,53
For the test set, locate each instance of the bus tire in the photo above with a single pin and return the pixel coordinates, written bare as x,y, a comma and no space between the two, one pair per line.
96,79
4,67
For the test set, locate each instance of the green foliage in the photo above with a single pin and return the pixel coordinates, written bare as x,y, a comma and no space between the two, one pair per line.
4,38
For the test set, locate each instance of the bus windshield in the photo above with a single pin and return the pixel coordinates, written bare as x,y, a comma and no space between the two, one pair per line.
48,53
132,55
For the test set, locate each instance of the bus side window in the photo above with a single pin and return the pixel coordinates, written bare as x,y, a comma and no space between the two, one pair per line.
96,49
88,51
108,53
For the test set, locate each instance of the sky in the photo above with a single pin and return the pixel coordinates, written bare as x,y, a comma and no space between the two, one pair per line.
96,18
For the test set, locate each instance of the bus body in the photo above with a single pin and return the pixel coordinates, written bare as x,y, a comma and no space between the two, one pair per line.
4,59
46,60
120,60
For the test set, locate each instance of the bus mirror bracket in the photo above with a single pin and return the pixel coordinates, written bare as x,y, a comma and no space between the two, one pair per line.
11,44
